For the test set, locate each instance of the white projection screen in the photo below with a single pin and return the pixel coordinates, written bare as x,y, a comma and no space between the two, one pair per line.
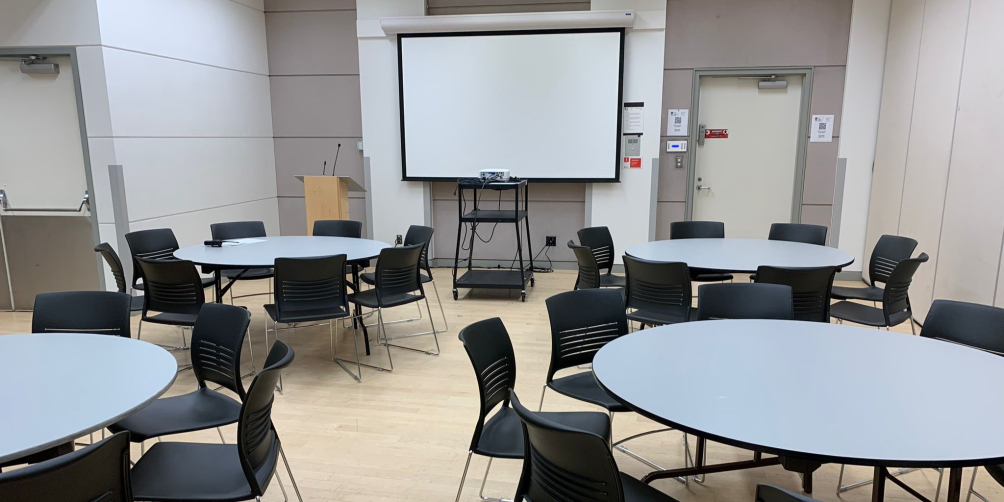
544,104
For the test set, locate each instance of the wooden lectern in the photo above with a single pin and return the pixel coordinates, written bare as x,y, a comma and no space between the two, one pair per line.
327,197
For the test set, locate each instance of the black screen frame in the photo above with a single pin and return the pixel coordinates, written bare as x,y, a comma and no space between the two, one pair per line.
620,97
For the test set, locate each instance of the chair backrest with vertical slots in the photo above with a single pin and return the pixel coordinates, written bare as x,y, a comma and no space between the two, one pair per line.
744,301
94,312
697,230
889,250
237,230
601,243
589,272
153,244
172,287
658,286
309,284
115,264
99,472
397,270
564,464
810,289
582,322
217,341
257,441
798,232
338,228
896,295
490,350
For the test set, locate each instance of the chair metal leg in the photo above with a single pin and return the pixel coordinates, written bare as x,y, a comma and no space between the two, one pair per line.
913,329
972,491
841,488
358,375
383,332
285,498
446,324
433,332
139,331
464,475
484,481
542,391
290,472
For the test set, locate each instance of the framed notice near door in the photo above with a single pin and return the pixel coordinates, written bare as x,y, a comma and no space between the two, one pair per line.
748,162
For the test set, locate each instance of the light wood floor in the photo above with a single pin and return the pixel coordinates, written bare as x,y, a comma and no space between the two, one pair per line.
405,435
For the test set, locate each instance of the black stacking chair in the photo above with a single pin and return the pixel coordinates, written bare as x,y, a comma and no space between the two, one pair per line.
888,251
565,463
417,234
768,493
700,230
582,322
397,282
234,230
223,472
99,472
589,272
217,341
173,290
154,244
810,289
798,232
115,264
658,293
895,299
500,434
601,244
744,301
95,312
338,228
310,290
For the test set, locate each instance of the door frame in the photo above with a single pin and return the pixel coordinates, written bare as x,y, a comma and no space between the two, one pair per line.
70,52
803,127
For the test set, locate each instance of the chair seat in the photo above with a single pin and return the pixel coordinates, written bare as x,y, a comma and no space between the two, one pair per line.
199,410
871,293
583,386
856,312
636,491
368,299
250,275
172,319
305,315
191,471
612,281
137,304
502,436
370,278
711,277
996,471
672,315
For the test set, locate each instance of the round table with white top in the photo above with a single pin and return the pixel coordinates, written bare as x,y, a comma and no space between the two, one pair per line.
62,386
741,255
779,387
261,252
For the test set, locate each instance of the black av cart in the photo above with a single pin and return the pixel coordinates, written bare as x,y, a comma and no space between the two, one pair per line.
497,278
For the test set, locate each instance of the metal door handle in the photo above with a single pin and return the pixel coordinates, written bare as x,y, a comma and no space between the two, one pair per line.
5,205
703,187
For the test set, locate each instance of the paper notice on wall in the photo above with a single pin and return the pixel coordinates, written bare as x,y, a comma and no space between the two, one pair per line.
678,122
634,118
821,129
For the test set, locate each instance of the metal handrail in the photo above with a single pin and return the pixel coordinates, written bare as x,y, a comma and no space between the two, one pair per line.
5,205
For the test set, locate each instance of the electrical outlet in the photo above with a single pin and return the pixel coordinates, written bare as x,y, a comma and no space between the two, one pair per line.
398,240
550,241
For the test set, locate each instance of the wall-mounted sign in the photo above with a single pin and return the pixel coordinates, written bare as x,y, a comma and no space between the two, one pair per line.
716,133
634,118
678,122
821,129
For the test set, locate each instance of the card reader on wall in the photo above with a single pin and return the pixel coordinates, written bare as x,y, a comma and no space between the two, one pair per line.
494,174
676,146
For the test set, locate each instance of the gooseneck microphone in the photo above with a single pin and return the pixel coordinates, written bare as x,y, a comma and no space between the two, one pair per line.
325,168
334,165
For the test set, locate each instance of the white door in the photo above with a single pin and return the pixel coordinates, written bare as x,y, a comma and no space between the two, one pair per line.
746,179
42,167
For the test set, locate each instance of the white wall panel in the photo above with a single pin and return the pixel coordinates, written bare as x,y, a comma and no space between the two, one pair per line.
48,22
905,23
974,208
175,175
193,227
222,33
930,146
158,97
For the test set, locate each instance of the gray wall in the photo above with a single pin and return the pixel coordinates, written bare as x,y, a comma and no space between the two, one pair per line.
441,7
755,33
313,63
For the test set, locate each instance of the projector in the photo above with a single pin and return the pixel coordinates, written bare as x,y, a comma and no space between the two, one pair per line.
494,174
